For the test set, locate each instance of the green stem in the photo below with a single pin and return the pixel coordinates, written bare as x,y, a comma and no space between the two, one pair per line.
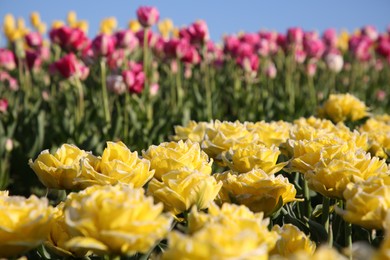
179,87
81,101
126,118
145,60
205,70
107,115
325,213
306,195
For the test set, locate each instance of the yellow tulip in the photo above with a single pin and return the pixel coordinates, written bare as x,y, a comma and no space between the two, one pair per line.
115,220
24,223
292,241
176,155
254,156
367,203
41,28
82,25
59,171
194,131
9,22
343,41
238,216
134,26
59,236
255,189
331,177
35,19
165,27
117,165
57,24
108,25
270,133
179,190
343,107
71,18
223,136
379,135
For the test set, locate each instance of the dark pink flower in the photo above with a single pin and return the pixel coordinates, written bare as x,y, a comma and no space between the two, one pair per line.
231,44
9,81
34,39
147,15
116,59
33,59
7,59
134,81
3,105
70,39
126,39
250,38
151,37
295,35
170,48
371,32
103,45
314,48
330,38
69,66
199,32
249,63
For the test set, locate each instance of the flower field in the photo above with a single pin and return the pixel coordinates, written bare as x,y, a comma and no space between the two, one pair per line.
154,142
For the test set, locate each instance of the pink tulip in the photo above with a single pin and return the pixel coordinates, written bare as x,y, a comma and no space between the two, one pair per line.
383,47
295,35
7,59
33,59
311,69
116,84
360,46
199,32
126,39
116,59
282,41
249,63
263,47
154,89
9,81
34,39
187,53
250,38
170,48
371,32
314,48
134,81
147,15
68,66
103,45
330,38
231,44
70,39
300,55
380,95
151,37
3,105
271,71
245,50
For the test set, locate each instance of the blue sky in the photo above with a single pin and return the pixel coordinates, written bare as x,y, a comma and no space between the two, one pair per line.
221,16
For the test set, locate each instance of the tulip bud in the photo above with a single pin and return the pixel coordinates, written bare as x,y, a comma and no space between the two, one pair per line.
103,45
147,15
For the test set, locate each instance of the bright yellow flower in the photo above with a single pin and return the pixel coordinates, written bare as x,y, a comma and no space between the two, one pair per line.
379,135
57,24
331,177
322,253
216,242
20,24
114,220
59,171
343,41
255,189
24,223
82,25
270,133
193,131
181,189
235,216
165,27
108,25
170,156
9,22
117,165
223,136
254,156
175,32
59,236
292,241
71,18
134,26
41,28
342,107
35,19
367,203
